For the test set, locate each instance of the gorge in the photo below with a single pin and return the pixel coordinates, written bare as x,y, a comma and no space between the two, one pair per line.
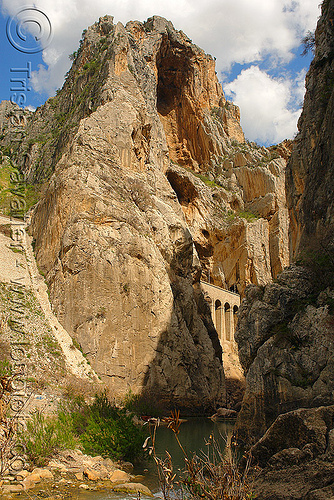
148,183
149,199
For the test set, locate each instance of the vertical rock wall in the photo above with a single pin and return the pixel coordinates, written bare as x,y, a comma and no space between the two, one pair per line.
286,329
310,172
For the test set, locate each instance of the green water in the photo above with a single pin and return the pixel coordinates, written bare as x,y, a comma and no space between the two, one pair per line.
193,435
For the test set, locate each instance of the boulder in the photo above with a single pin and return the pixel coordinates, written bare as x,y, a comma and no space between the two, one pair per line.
109,464
128,466
22,474
43,473
91,474
119,476
31,481
7,489
295,456
133,488
223,413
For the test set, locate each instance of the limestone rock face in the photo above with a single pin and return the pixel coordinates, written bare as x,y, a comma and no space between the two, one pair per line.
296,456
286,330
239,226
110,233
264,194
310,172
149,183
13,121
285,347
182,102
183,117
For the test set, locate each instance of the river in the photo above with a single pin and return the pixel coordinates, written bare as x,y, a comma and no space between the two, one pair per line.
193,435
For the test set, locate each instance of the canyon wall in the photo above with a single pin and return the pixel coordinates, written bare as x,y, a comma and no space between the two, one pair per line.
147,185
111,237
310,172
286,329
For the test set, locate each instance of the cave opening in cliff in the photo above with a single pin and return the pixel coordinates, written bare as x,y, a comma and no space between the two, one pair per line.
174,72
184,189
176,104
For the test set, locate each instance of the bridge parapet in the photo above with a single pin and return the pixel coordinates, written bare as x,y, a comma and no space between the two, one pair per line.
224,307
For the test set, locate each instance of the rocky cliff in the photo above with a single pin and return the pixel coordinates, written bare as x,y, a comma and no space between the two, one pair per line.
310,173
285,337
239,218
286,329
109,232
146,183
296,456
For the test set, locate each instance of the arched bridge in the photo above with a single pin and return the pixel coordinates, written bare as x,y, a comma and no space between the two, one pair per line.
224,307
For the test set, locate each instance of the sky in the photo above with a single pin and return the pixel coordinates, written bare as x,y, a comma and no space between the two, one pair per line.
257,46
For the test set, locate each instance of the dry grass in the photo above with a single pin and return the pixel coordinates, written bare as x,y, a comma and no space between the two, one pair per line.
211,475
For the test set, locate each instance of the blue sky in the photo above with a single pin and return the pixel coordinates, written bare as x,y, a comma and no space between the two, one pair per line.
256,44
12,59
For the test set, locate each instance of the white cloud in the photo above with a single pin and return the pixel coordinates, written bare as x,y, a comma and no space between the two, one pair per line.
299,87
234,31
267,111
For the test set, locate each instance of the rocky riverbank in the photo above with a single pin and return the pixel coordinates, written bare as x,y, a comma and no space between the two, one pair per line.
70,472
295,456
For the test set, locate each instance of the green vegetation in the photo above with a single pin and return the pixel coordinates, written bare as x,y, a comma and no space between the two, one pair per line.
16,250
44,436
92,66
206,180
249,216
51,345
230,216
309,43
216,113
103,43
16,196
203,178
99,429
106,430
5,187
6,369
73,55
76,345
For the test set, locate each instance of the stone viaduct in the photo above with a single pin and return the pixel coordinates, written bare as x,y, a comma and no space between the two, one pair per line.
224,307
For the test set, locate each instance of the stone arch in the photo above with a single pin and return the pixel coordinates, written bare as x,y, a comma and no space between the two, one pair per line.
218,317
227,315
